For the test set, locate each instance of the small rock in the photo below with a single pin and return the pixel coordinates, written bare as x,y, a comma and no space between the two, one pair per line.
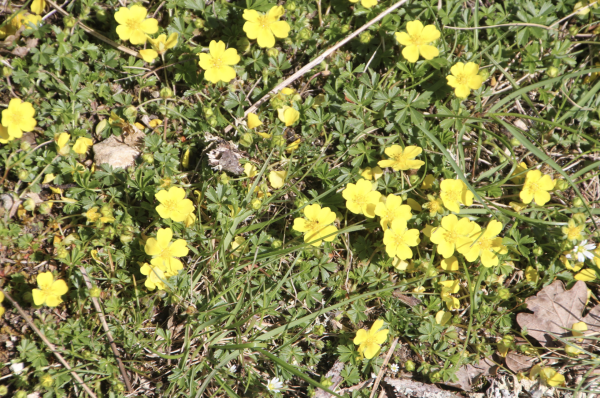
114,152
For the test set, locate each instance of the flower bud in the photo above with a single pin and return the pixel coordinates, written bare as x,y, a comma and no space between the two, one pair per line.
126,238
208,112
69,22
409,366
573,30
504,294
273,52
515,142
577,202
345,29
119,387
484,73
29,204
365,37
213,121
190,310
199,23
435,377
6,71
25,146
276,244
552,71
304,34
166,92
130,113
61,253
23,175
561,185
46,381
537,251
413,179
101,14
95,292
20,394
148,158
291,6
3,391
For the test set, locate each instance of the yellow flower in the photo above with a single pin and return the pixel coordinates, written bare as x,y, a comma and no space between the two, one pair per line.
398,239
316,225
416,41
579,6
237,242
573,231
92,214
464,78
579,328
22,18
189,220
402,159
551,377
366,3
519,175
18,117
288,115
455,192
369,342
414,205
452,303
434,205
217,63
4,136
428,182
277,178
443,317
160,45
173,204
453,233
265,27
370,173
531,274
361,198
596,258
49,291
293,146
185,159
536,187
419,289
570,264
61,142
37,6
449,264
154,123
253,121
250,170
485,245
586,275
133,25
165,253
450,287
392,209
156,277
82,144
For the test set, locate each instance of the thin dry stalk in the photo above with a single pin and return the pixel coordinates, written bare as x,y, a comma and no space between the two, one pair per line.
306,68
382,369
93,32
48,343
100,313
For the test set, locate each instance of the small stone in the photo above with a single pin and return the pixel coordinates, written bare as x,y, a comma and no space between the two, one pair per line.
115,152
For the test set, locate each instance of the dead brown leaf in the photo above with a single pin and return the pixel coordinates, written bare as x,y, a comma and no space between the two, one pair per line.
555,310
518,362
468,374
20,51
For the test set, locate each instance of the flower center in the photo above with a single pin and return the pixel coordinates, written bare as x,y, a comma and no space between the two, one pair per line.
133,24
484,243
434,205
534,187
450,236
417,40
462,78
398,241
217,63
452,196
165,254
264,22
401,159
313,225
170,204
360,198
15,116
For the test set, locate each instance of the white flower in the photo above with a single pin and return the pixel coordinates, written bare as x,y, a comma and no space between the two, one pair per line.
394,368
582,251
274,385
17,368
232,368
